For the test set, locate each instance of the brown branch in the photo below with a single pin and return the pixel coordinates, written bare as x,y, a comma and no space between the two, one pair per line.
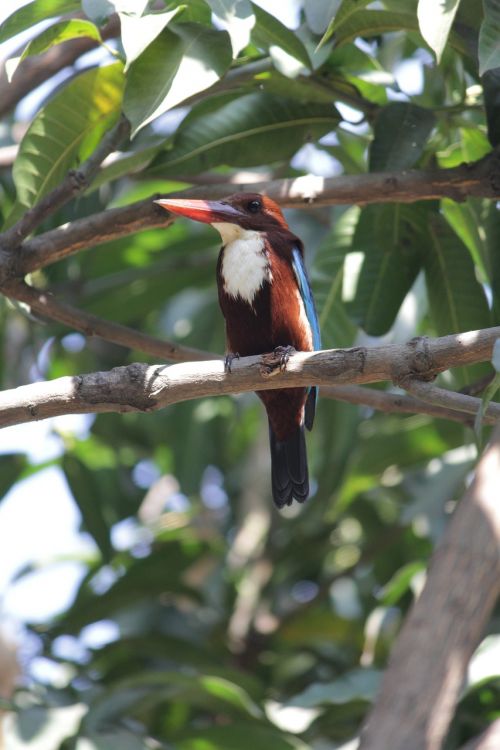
75,182
140,387
48,306
84,233
35,70
421,686
398,403
432,394
481,178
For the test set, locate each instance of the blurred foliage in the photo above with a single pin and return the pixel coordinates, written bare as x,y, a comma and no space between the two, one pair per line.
236,627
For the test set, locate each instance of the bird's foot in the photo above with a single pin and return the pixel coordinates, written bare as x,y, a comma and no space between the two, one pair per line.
228,361
284,353
276,362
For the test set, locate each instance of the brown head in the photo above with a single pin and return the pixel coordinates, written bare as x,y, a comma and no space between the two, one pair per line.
248,210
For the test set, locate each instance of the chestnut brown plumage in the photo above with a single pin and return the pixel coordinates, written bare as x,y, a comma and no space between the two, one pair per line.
266,300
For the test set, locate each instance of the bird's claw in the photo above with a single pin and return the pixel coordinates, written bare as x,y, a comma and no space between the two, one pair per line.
276,362
228,361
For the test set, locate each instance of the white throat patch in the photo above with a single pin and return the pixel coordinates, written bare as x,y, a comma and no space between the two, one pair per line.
245,266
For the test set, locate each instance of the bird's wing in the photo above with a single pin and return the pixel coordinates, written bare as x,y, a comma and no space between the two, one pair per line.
312,316
307,297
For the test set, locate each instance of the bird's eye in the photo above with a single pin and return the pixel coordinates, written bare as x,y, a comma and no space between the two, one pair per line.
254,206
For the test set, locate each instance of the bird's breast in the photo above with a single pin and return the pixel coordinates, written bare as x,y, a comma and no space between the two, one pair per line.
245,265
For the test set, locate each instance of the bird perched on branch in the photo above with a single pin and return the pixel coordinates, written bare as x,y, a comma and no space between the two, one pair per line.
266,299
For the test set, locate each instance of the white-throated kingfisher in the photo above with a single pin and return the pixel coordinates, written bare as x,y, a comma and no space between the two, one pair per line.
266,300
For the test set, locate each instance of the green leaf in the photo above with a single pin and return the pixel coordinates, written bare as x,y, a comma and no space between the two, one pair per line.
390,236
400,582
56,34
489,37
126,164
401,131
137,32
369,23
319,14
11,467
32,13
327,280
358,684
457,300
180,62
254,129
237,735
465,220
435,19
86,491
489,393
491,93
238,19
346,9
66,131
269,33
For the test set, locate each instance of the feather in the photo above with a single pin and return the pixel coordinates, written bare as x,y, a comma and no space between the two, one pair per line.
312,316
289,473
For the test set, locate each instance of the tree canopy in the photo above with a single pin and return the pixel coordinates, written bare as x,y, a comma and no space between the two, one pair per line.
377,126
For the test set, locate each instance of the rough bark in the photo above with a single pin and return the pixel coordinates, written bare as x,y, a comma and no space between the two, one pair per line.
421,686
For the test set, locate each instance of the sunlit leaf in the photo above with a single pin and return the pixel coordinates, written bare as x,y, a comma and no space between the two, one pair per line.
32,13
268,33
66,131
137,32
238,19
57,34
176,65
435,20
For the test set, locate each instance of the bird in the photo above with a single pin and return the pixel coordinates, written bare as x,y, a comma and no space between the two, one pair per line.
266,300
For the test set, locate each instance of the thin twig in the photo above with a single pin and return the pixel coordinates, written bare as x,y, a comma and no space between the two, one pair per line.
397,403
432,394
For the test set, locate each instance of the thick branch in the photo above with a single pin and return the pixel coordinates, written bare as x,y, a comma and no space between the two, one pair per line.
48,306
427,667
149,387
481,178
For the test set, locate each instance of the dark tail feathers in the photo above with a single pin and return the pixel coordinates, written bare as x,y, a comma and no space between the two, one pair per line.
289,474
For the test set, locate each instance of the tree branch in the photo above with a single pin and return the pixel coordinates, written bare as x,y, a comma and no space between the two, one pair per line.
399,404
427,666
481,178
48,306
140,387
75,182
432,394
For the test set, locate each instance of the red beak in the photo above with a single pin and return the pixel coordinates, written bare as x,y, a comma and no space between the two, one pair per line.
206,211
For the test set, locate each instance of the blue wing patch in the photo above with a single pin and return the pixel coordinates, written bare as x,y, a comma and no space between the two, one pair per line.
307,298
312,316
